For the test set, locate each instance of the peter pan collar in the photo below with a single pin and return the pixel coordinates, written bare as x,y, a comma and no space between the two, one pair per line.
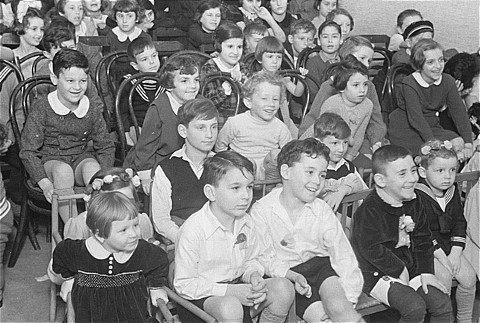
418,77
97,251
123,37
60,109
224,68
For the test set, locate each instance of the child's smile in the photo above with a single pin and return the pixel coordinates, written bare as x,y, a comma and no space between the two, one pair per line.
265,101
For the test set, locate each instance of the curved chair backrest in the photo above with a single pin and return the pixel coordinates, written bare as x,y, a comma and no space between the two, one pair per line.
222,77
303,56
25,58
386,65
13,68
201,57
392,76
36,62
138,79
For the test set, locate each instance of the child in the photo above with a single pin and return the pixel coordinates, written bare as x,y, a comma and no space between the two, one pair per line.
404,19
258,134
324,7
229,45
278,9
253,12
177,190
330,39
143,58
93,9
302,35
444,209
302,239
269,54
31,34
422,95
392,242
147,15
342,176
159,137
413,33
216,250
474,117
112,179
54,147
73,11
253,34
344,19
113,270
207,19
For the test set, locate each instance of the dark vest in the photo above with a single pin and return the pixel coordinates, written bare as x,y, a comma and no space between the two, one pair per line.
187,189
343,171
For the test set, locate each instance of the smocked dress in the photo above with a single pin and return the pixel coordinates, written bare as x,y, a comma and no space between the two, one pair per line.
108,289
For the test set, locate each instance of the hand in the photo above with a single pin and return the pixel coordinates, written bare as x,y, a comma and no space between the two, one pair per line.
467,151
376,146
459,85
259,289
242,292
146,185
214,54
303,71
404,277
455,259
236,75
263,13
4,148
302,287
334,199
429,279
47,187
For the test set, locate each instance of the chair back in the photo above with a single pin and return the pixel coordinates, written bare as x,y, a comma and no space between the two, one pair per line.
349,206
304,54
13,68
378,40
393,80
36,62
221,77
201,57
466,181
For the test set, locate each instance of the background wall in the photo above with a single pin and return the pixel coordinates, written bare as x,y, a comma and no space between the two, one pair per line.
456,22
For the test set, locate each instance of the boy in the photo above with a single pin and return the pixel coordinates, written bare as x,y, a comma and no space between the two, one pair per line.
393,243
143,58
301,36
412,34
436,189
216,250
258,134
303,241
159,137
177,191
404,19
342,176
253,33
284,19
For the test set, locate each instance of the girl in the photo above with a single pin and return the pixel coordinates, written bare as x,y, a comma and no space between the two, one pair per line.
351,103
207,19
362,49
109,180
31,33
55,145
344,19
229,45
93,9
269,54
113,270
324,7
73,11
253,12
147,15
422,95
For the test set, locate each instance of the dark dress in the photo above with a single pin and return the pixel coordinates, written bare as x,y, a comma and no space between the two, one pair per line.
118,294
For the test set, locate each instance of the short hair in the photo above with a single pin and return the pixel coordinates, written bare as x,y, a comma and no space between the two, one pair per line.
184,64
407,13
463,67
127,6
59,31
207,5
316,4
417,57
292,152
67,58
144,6
61,6
215,167
435,149
226,30
329,23
345,70
343,12
387,154
268,44
351,45
302,25
138,46
31,13
255,29
200,108
248,89
106,207
331,124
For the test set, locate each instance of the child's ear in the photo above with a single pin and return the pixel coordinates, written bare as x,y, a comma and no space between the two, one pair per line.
285,171
247,102
399,30
379,180
54,78
134,65
101,239
209,191
422,172
182,131
290,39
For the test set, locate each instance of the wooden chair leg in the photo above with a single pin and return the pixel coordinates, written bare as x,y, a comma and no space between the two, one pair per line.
19,237
31,231
69,309
53,302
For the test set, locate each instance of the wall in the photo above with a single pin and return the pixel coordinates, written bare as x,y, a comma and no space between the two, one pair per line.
456,22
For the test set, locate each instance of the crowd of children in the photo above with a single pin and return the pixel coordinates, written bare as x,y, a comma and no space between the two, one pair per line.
202,145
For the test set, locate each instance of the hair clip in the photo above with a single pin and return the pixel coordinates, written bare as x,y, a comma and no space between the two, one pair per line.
436,146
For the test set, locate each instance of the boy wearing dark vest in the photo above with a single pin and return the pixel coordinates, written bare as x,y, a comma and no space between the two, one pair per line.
177,190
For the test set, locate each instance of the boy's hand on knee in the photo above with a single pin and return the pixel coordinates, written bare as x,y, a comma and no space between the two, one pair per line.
47,187
334,199
429,279
259,289
241,291
302,287
454,258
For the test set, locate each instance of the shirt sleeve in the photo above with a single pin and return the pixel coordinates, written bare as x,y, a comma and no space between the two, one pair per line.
458,111
156,266
225,136
103,145
65,258
376,129
162,206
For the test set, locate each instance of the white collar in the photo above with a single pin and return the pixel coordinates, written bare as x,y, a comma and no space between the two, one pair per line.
338,165
81,30
385,197
59,108
418,77
173,102
224,68
182,153
97,251
212,224
123,37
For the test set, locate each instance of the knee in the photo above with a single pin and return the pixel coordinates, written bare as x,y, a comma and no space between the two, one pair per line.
62,171
281,292
415,312
338,309
229,310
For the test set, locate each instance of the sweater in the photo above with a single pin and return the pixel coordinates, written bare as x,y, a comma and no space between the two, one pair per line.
197,36
375,233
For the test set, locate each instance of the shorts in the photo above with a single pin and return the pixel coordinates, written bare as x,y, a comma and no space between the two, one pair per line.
316,271
72,161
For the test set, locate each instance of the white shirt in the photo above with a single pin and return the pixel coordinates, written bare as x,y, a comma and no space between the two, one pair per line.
316,232
207,255
162,197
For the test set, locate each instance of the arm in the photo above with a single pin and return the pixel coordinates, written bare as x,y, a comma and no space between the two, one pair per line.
263,13
316,68
294,89
156,265
376,129
359,133
459,230
63,265
458,111
226,136
103,145
198,37
422,240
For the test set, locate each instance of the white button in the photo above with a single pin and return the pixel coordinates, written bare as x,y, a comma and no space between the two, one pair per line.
110,272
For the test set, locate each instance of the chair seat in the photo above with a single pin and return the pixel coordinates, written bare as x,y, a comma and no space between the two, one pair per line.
368,305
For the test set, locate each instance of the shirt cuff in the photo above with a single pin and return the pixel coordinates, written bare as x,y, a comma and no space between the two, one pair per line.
219,289
144,174
156,293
